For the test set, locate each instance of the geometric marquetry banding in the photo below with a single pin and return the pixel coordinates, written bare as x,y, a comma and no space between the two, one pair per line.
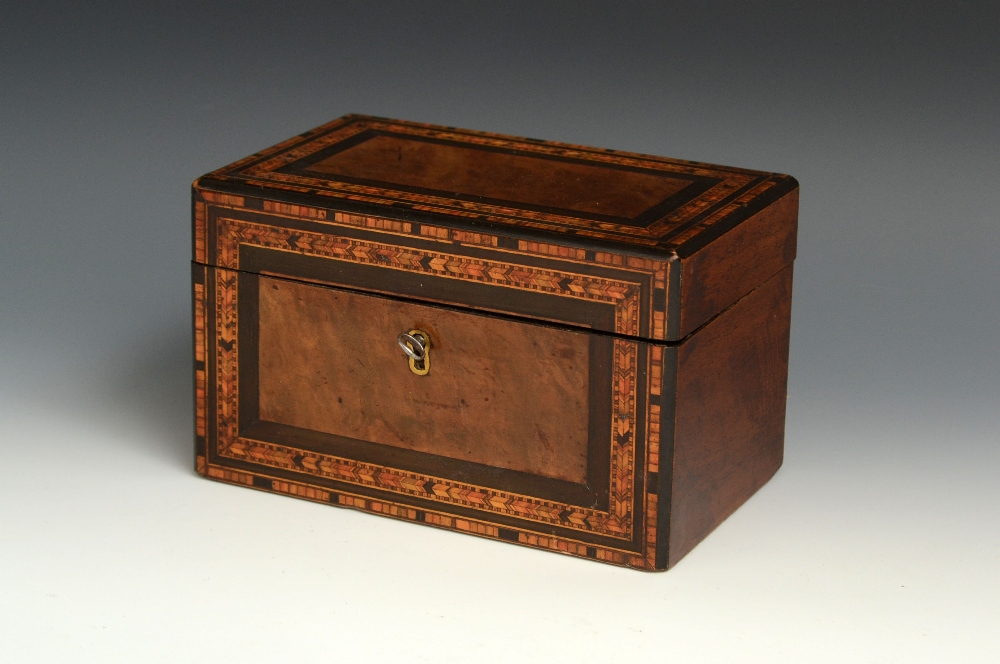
724,211
475,239
200,248
441,520
660,285
200,347
200,372
654,377
581,549
302,211
233,233
226,360
646,269
653,418
548,249
650,533
268,170
232,476
616,522
224,199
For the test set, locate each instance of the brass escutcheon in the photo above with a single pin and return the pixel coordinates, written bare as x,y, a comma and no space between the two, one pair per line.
417,346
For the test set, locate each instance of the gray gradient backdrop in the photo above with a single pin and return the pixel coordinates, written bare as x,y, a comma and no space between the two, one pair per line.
878,541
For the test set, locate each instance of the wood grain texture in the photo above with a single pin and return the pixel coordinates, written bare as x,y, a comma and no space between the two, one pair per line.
732,265
611,524
728,432
630,203
594,291
609,330
448,168
505,394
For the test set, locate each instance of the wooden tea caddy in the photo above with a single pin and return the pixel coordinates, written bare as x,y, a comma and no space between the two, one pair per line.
569,348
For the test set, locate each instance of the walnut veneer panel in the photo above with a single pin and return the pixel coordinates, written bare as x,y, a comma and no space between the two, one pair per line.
729,430
452,168
505,394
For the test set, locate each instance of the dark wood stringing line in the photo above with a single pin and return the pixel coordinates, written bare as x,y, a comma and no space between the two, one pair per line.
698,184
523,306
668,409
211,350
345,121
592,495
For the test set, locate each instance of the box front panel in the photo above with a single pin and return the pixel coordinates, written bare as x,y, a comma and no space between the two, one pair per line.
299,399
306,393
496,392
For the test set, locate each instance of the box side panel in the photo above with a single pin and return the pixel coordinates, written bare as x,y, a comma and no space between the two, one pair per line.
729,423
723,271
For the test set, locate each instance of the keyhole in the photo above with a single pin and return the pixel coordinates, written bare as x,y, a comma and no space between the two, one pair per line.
416,344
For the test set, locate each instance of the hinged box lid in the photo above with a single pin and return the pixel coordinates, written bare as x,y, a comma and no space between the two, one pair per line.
706,235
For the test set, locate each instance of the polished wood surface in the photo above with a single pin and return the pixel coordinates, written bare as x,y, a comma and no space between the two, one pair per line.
505,394
725,270
441,266
450,168
728,434
609,334
598,199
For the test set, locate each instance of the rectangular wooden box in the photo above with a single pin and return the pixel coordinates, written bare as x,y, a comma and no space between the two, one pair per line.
608,334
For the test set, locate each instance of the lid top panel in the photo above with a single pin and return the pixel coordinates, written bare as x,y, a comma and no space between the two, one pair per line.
625,198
